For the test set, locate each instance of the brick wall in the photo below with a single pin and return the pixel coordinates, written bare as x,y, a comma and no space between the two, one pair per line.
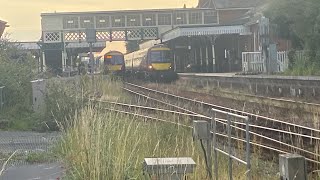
229,16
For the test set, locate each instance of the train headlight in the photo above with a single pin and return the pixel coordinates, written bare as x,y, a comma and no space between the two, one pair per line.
150,67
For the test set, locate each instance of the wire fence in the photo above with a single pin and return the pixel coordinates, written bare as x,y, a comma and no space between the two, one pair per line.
27,147
231,118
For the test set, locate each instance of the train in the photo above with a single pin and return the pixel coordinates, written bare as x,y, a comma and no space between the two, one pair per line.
154,63
113,63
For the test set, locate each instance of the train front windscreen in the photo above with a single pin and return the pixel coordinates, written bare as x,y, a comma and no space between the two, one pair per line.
114,59
160,56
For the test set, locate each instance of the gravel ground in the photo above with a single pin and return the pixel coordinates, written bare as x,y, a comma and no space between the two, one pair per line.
53,171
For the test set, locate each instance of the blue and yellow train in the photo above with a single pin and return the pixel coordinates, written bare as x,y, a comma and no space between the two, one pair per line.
113,63
154,63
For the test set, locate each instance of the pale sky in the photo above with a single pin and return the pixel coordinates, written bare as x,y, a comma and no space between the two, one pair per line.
23,16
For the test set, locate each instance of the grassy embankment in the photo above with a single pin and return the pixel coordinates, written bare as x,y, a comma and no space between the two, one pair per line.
101,144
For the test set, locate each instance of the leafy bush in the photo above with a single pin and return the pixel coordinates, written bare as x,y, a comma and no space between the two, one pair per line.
16,72
298,21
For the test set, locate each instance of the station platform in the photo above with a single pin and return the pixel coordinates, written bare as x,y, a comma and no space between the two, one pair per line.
261,76
306,87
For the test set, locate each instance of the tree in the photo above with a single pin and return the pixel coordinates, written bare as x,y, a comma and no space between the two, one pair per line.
132,46
16,72
298,21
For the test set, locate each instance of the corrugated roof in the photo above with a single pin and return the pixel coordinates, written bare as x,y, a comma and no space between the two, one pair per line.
204,31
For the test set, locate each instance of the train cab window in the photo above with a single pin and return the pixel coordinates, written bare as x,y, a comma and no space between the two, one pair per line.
114,59
160,56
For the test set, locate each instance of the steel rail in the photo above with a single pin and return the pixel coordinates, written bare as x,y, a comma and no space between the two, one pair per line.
222,121
179,124
252,125
150,108
219,120
226,109
157,100
148,117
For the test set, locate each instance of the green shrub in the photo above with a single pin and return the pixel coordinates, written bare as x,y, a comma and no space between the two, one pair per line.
16,72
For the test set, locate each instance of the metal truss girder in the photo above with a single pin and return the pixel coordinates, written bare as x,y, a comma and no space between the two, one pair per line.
52,37
101,35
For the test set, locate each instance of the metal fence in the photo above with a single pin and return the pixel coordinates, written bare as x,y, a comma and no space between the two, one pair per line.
230,131
23,144
29,155
253,62
283,61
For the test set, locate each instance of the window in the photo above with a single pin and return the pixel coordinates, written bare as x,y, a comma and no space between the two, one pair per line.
70,22
164,19
149,19
133,20
160,56
195,18
118,21
210,17
180,18
102,21
114,59
86,22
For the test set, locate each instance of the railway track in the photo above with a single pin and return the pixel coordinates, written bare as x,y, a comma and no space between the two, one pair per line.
257,119
274,135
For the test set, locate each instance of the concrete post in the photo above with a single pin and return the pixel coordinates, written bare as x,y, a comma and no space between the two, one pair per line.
43,62
38,95
201,59
292,167
1,97
207,60
174,62
213,58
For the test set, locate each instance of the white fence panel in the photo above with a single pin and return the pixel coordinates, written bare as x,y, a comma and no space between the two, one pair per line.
283,61
253,61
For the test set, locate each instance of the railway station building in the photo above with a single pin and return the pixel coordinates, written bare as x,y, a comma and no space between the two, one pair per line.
209,38
217,48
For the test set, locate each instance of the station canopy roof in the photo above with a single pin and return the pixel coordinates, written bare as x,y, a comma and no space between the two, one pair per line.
204,31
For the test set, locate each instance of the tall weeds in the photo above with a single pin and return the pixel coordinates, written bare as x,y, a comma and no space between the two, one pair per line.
100,145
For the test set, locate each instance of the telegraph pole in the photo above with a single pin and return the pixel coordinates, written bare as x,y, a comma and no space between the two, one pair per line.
91,38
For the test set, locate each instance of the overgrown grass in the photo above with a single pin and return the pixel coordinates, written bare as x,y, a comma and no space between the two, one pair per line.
304,68
65,96
112,146
108,145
